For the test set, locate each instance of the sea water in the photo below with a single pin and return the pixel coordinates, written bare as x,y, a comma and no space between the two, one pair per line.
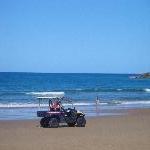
18,92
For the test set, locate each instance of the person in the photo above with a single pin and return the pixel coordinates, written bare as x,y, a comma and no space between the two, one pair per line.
55,106
97,100
97,105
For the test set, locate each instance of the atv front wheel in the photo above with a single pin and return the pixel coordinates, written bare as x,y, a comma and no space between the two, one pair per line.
81,121
44,122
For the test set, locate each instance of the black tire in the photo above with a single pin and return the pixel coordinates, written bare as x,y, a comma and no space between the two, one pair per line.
81,121
71,124
44,122
53,123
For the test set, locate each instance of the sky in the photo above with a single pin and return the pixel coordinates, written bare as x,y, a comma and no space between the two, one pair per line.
75,36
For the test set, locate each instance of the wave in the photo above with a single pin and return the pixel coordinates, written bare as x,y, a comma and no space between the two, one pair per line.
61,94
33,105
85,90
95,90
135,102
147,90
18,105
84,104
109,90
11,93
37,93
115,102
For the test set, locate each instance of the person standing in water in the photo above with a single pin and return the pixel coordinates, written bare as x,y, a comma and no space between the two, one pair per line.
97,100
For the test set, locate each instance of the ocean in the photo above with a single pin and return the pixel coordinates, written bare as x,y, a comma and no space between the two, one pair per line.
18,92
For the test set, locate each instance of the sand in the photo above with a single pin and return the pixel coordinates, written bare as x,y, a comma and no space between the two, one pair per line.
127,132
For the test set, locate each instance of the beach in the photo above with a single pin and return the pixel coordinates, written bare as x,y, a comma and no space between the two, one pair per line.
125,132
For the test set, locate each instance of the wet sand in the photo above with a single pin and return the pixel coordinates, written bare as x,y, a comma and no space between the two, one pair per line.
127,132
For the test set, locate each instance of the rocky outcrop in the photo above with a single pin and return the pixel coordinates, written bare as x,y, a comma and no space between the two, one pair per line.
141,76
145,75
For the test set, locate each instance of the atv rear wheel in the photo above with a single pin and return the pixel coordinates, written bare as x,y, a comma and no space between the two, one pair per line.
53,123
44,122
81,121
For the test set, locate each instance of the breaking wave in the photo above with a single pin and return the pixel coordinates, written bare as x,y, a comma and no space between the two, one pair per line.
38,93
88,90
18,105
147,90
96,90
84,104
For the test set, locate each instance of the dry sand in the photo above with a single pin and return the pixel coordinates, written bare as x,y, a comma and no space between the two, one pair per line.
129,132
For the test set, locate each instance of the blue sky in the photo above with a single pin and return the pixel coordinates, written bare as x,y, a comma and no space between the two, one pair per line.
103,36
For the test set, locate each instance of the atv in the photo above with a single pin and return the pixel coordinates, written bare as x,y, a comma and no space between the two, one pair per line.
57,113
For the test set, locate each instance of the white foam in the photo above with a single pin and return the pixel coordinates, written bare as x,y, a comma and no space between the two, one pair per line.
119,89
103,103
135,102
86,104
33,105
83,104
147,90
78,89
61,94
18,105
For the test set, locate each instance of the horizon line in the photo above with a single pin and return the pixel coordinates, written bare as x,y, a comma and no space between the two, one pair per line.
65,72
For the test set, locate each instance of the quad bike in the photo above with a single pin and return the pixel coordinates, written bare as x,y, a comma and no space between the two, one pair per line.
57,114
